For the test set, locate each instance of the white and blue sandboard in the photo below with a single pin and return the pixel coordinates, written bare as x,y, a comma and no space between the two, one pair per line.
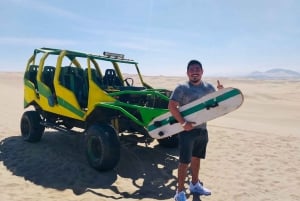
207,108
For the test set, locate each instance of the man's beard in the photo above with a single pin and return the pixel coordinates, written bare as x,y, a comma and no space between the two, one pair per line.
195,79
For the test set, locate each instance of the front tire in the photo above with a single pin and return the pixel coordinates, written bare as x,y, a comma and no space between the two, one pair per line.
31,128
102,147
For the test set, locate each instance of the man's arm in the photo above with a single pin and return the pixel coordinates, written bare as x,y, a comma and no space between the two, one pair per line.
174,109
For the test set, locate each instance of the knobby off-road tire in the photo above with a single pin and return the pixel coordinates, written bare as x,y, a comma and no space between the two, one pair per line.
102,147
31,129
169,142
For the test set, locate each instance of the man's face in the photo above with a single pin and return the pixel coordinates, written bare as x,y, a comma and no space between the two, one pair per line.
195,73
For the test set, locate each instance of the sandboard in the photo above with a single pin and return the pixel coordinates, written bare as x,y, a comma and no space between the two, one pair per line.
207,108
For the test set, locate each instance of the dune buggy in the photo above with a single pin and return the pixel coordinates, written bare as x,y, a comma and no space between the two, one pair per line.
99,96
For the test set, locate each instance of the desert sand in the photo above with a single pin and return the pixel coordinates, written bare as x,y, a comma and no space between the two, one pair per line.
253,153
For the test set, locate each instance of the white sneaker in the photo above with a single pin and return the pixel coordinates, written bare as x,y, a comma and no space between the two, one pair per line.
199,189
180,196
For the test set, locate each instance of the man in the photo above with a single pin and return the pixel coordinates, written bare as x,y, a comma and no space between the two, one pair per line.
193,140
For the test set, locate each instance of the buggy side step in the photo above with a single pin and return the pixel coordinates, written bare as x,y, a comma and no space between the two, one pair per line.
61,128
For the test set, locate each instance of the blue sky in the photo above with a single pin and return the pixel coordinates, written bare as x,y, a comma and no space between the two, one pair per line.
229,37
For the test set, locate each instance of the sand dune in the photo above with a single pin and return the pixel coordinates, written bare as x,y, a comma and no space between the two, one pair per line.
253,153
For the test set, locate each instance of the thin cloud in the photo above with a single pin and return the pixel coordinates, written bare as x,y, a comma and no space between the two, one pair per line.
145,44
19,41
43,7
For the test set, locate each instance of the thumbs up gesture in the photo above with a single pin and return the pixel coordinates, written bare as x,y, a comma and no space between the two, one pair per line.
219,86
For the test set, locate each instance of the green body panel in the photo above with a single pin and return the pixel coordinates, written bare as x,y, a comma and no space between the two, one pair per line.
144,92
44,90
64,103
29,84
147,114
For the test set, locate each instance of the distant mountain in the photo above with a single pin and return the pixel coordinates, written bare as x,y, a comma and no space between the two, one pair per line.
275,74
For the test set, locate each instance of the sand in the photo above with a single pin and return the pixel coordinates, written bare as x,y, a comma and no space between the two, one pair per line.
253,153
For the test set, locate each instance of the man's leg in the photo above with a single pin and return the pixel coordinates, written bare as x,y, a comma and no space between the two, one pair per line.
195,167
199,152
185,154
196,187
182,171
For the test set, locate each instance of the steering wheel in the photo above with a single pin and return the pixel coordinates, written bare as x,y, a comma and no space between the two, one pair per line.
129,81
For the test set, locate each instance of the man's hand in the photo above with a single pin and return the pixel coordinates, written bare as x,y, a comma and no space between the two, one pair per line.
219,86
189,126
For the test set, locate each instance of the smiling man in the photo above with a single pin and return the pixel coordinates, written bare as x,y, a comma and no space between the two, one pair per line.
193,140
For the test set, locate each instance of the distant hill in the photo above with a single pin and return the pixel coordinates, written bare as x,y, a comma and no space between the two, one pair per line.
277,73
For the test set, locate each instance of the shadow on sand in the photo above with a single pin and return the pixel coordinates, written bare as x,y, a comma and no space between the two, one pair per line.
58,162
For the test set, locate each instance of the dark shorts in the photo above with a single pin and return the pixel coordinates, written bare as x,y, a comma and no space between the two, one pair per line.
192,144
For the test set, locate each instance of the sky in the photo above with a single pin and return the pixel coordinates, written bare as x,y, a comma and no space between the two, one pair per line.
229,37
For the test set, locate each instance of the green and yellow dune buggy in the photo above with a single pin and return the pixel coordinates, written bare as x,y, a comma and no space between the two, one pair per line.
99,96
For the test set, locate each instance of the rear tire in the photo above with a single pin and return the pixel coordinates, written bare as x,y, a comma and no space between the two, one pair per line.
169,142
31,128
102,147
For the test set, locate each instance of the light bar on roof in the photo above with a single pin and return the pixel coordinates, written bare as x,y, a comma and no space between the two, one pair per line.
114,55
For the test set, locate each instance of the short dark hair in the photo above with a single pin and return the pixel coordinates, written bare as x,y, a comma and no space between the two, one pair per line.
192,62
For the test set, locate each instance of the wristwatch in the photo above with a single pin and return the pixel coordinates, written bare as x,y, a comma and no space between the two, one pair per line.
184,123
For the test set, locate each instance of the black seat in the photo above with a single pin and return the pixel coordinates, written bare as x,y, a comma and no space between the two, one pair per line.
81,88
31,74
110,78
67,77
96,77
48,77
73,79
